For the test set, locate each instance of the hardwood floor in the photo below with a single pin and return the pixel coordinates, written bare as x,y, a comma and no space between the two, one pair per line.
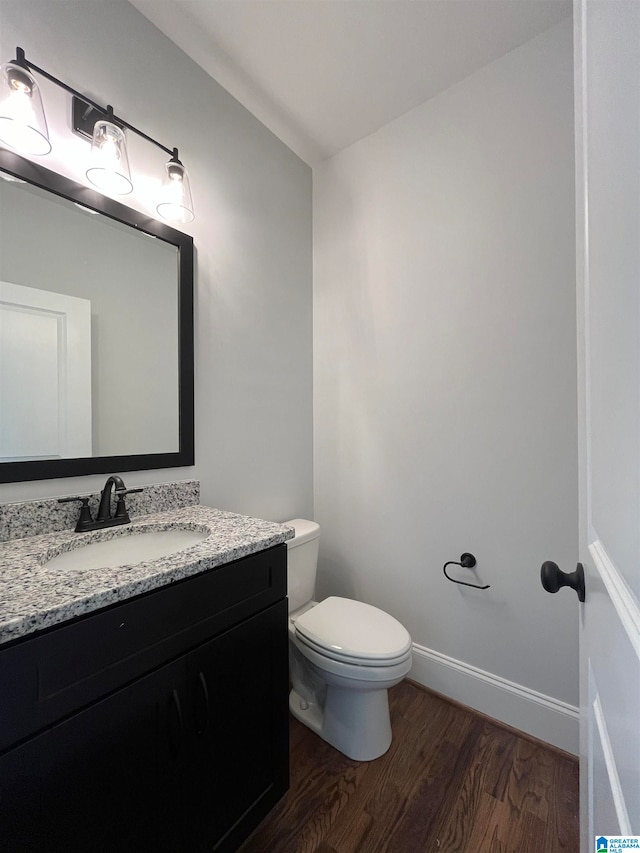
452,781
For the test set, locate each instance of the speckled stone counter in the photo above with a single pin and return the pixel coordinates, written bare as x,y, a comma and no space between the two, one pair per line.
33,597
31,518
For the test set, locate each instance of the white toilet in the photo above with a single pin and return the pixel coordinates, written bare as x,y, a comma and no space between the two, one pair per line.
343,657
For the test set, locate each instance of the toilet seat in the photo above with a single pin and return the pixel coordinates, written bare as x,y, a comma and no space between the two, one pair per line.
354,675
353,632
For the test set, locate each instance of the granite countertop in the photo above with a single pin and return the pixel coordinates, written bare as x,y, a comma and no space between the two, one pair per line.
33,597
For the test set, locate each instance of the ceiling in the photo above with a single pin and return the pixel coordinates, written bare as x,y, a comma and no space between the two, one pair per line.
322,74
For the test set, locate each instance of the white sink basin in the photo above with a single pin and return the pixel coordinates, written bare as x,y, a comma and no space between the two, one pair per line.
128,549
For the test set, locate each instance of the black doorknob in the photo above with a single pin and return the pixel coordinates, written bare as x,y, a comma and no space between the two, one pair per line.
552,578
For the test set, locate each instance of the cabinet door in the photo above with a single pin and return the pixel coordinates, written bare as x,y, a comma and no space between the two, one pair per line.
93,782
238,686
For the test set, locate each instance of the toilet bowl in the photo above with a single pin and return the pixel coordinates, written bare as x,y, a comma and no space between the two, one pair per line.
343,657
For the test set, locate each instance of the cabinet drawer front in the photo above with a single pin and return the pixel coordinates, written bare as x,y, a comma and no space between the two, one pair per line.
56,673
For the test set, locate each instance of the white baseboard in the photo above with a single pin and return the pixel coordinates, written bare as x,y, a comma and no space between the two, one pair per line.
548,719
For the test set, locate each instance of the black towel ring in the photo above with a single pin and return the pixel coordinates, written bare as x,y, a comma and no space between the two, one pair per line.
467,561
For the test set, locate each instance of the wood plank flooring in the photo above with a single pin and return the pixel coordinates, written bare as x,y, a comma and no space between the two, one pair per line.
452,782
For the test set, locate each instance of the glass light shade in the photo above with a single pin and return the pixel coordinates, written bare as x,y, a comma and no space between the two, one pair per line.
176,203
109,169
23,125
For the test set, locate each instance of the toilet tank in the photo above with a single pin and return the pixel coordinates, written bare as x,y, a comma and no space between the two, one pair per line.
302,561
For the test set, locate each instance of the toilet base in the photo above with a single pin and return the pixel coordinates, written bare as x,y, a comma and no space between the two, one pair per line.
355,722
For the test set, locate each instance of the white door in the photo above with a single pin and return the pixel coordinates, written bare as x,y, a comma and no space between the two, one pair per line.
607,79
45,374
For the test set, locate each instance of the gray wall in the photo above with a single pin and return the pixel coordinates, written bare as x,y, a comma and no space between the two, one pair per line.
252,235
445,367
444,324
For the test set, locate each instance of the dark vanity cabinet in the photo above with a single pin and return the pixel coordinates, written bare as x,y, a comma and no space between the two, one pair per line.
159,724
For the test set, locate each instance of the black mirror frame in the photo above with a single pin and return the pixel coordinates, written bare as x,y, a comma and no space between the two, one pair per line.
14,472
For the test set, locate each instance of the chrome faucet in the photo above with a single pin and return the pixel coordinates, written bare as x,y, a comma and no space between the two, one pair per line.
104,517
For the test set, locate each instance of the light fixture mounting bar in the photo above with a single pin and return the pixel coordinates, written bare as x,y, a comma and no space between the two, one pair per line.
80,110
84,116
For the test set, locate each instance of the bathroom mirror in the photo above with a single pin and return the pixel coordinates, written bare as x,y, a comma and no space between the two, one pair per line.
96,332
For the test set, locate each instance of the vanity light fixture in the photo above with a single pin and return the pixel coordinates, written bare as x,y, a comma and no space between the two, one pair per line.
22,121
109,168
175,199
23,127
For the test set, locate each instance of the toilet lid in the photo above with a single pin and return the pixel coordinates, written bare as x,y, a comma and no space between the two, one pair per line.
342,628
